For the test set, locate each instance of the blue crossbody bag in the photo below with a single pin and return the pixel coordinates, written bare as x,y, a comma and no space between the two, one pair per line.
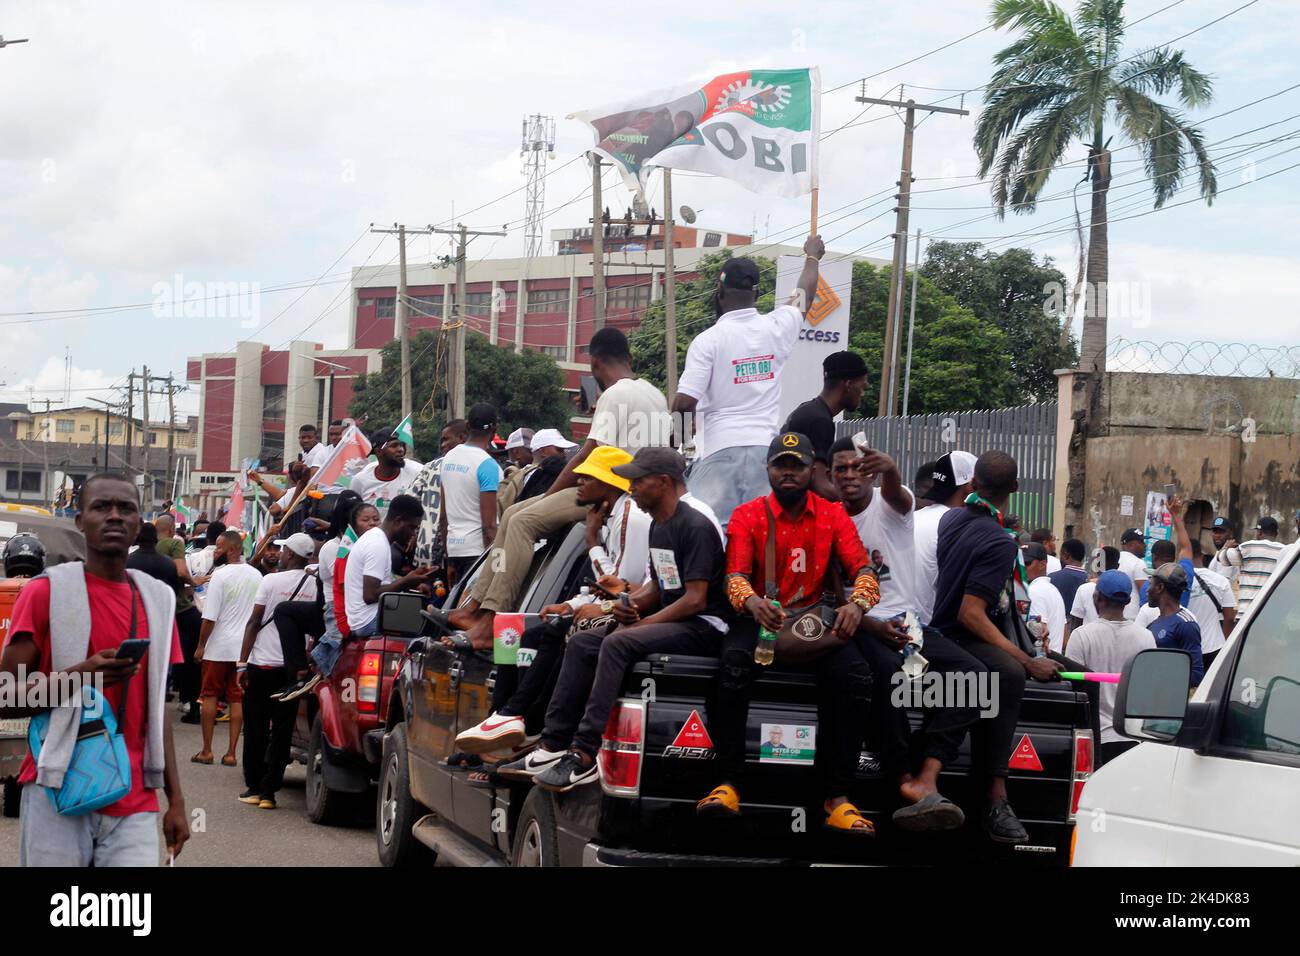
99,770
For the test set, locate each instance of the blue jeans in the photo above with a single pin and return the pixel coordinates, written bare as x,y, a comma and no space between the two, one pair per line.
728,478
48,839
367,630
326,652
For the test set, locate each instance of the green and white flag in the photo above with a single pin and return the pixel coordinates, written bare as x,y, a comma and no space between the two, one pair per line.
405,434
758,128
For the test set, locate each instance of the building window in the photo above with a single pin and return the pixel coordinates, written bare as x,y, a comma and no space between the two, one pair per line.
478,303
548,300
83,428
628,297
65,426
558,352
386,308
31,481
273,403
153,438
115,429
425,305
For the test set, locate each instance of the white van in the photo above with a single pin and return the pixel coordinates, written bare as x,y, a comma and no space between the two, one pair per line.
1217,780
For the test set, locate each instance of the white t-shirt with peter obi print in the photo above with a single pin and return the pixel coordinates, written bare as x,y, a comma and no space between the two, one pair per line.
733,371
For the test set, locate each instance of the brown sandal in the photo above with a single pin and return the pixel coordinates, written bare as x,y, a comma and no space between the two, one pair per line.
227,760
198,758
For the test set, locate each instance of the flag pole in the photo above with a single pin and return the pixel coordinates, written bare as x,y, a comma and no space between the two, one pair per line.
812,214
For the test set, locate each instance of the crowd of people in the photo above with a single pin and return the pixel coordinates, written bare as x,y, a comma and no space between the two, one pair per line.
773,528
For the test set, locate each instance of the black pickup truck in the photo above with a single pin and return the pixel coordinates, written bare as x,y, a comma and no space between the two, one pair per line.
656,762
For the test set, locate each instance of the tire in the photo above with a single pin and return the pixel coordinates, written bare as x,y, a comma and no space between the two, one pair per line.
396,811
13,793
536,842
327,807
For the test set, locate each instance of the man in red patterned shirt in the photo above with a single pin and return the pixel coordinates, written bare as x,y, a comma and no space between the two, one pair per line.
811,534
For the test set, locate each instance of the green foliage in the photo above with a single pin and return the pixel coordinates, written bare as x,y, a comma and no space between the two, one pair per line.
525,388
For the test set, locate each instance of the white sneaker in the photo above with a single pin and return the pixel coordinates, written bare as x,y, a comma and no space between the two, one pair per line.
495,733
530,764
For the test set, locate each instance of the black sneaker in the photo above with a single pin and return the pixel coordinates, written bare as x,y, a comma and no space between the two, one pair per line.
1002,826
566,773
193,716
299,688
250,796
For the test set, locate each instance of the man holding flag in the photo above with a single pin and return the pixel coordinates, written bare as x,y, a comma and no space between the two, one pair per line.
392,472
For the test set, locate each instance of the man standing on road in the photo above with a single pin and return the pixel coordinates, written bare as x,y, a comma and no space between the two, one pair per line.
1258,559
844,379
1132,561
1176,627
268,723
950,484
185,676
1227,555
146,558
1047,538
977,558
732,383
1044,600
100,605
1072,574
231,595
1106,645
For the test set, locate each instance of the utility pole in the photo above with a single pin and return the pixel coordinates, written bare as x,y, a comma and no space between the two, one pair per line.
45,453
670,290
130,419
597,246
107,421
171,424
402,309
147,486
456,361
889,361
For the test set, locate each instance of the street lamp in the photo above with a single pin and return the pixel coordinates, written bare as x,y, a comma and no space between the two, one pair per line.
5,43
329,402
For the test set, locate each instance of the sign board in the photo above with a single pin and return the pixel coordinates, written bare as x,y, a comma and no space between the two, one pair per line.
825,327
1157,522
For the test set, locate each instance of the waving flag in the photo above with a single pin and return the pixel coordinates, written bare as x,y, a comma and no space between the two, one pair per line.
235,513
758,128
404,433
352,447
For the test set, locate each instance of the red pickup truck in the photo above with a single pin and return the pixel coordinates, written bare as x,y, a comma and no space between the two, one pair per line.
340,730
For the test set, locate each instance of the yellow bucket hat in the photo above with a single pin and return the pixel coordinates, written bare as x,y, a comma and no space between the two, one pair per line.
600,462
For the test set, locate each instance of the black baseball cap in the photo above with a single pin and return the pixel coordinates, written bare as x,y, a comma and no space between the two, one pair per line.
1132,534
1222,522
843,365
382,436
741,274
1267,525
482,418
951,471
653,461
1034,552
791,443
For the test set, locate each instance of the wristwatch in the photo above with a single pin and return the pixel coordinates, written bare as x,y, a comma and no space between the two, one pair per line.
606,607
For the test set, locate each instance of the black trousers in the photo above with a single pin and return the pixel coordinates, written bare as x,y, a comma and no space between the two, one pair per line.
187,676
526,691
991,737
843,705
268,730
457,568
295,620
594,667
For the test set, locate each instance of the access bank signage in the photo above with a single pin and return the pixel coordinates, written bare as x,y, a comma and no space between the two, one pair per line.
825,326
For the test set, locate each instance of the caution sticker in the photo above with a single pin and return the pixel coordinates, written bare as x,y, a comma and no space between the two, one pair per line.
1025,757
693,733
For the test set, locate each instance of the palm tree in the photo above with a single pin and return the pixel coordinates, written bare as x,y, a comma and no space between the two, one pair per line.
1064,80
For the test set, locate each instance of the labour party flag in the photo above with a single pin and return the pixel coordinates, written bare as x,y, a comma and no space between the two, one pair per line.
353,446
404,434
235,513
758,128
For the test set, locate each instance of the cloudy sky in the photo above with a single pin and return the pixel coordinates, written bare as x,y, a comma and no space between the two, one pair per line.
179,146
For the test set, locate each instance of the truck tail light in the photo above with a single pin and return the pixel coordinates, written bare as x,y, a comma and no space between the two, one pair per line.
1082,768
368,682
622,749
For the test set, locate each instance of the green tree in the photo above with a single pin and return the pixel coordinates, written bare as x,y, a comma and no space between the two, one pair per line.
1009,289
1063,80
526,389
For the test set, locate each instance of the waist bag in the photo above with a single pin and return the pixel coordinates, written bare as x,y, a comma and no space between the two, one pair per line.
808,630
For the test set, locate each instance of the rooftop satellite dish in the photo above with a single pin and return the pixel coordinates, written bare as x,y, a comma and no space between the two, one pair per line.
688,214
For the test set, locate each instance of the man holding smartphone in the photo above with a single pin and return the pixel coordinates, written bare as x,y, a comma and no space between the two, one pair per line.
101,608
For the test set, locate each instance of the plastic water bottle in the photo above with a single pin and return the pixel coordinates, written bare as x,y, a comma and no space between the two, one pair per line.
584,591
1035,625
765,650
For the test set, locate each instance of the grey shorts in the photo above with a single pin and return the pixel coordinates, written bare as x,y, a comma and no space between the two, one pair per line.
48,839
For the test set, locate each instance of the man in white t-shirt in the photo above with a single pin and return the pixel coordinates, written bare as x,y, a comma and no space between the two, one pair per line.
369,571
313,453
731,385
1227,557
948,483
1047,538
1045,600
268,723
231,593
427,487
470,478
1083,610
1132,561
884,522
1105,645
389,475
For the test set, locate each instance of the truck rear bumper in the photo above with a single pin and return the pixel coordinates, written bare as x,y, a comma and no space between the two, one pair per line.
595,855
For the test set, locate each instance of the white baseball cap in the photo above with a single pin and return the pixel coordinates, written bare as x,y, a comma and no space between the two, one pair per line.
299,543
550,436
519,438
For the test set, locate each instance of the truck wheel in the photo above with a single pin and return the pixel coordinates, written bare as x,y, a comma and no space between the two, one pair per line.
396,810
535,842
325,806
13,793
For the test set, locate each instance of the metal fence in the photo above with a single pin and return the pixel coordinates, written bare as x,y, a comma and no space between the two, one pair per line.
1027,433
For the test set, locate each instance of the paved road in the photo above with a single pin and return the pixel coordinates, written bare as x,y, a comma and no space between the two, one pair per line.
236,834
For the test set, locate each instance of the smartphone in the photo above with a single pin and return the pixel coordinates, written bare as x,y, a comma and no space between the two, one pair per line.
134,649
1169,491
860,443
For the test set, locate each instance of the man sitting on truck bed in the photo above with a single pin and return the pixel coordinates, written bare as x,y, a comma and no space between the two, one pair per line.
810,535
618,535
685,608
977,555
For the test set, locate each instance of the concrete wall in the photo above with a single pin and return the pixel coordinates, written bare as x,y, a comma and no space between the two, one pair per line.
1230,446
